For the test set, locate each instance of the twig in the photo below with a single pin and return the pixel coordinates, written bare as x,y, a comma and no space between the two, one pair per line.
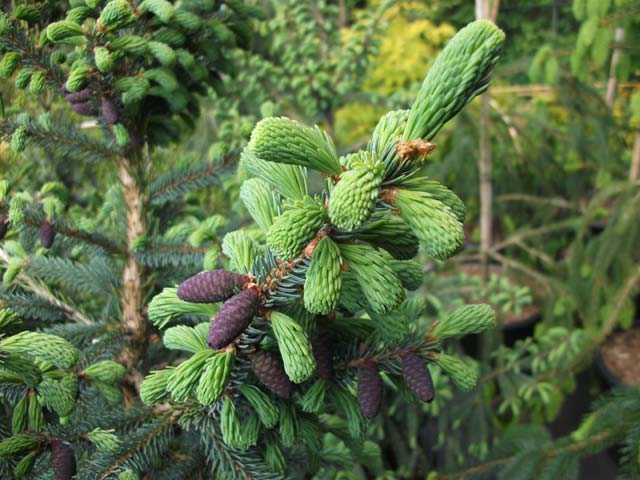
523,197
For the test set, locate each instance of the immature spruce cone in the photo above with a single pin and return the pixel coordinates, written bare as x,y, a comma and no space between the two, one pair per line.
4,226
210,287
323,354
370,391
417,376
269,369
47,234
78,97
62,460
234,316
86,109
109,111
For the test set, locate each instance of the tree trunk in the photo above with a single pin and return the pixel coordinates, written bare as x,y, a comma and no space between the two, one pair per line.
134,322
486,187
634,171
485,9
612,84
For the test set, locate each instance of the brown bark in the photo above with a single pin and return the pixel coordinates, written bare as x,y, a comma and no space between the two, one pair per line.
612,84
634,171
134,322
485,9
486,187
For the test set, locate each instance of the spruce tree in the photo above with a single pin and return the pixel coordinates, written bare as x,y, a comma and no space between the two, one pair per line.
272,361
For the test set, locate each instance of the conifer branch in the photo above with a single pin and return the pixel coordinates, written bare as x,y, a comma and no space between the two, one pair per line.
165,423
176,183
42,291
34,219
63,141
549,453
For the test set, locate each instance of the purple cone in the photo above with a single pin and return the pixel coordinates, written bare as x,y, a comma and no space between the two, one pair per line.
210,287
233,318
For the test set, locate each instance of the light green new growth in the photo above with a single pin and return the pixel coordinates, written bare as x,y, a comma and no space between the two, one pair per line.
185,376
438,192
50,348
323,279
353,198
460,72
214,377
388,130
154,387
465,320
409,272
437,227
104,440
462,375
282,140
240,249
257,196
393,234
288,180
292,230
264,406
60,395
313,399
186,338
294,346
379,283
17,445
230,424
166,307
105,371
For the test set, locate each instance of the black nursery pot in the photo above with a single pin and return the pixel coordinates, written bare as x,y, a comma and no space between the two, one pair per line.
521,329
619,357
609,378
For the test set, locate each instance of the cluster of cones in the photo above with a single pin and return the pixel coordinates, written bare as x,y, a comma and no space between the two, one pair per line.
241,298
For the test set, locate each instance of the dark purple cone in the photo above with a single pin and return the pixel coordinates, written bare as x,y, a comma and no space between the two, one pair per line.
135,139
417,377
109,111
63,460
210,287
370,391
81,96
85,108
47,234
323,354
4,226
269,369
232,319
